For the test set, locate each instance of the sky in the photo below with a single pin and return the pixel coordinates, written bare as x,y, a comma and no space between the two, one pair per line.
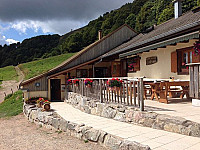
21,19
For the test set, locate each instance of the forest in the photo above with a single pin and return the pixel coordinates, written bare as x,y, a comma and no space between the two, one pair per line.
140,15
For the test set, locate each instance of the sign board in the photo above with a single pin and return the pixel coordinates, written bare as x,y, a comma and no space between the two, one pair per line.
151,60
37,84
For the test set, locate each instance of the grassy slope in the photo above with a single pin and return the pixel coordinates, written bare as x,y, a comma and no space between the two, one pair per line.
35,68
12,106
8,73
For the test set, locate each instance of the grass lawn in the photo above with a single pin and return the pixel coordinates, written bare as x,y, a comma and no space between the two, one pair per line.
12,105
35,68
8,73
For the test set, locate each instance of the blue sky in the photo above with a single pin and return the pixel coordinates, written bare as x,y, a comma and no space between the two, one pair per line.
23,19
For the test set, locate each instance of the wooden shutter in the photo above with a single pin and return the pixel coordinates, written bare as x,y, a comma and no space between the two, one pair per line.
137,66
195,58
174,63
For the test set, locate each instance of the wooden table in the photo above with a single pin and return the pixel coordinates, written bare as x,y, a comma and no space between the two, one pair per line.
163,88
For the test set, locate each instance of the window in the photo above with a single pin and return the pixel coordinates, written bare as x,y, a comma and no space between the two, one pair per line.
185,56
81,73
133,64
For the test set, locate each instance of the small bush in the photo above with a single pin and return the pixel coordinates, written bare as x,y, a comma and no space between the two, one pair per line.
8,96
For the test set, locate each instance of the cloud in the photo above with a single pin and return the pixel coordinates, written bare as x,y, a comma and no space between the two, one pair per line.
11,41
56,9
4,41
52,26
56,16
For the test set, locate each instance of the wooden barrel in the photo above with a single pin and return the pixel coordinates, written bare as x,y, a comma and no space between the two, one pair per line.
46,107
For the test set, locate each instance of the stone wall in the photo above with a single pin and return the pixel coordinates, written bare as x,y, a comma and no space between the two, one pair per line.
52,120
133,115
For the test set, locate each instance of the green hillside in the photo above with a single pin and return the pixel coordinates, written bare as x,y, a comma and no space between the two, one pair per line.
12,105
35,68
140,15
8,73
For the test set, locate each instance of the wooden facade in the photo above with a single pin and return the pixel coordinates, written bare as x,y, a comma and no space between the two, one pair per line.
101,47
40,84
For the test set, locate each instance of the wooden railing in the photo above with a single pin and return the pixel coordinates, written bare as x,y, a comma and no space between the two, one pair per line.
130,93
194,69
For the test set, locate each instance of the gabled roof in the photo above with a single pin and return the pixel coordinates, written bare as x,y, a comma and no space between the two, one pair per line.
161,32
52,71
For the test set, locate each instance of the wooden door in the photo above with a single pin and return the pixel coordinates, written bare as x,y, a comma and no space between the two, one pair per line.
116,69
124,68
55,90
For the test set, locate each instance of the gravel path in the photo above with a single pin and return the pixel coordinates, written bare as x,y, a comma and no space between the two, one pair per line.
12,84
19,134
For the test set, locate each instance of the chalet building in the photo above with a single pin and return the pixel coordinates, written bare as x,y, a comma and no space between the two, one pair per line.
86,63
160,53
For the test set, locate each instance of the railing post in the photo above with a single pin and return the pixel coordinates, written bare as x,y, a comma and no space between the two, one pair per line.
141,95
127,99
101,94
134,93
82,87
66,91
138,92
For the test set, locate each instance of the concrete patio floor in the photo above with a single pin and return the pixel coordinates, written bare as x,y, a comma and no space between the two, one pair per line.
177,107
156,139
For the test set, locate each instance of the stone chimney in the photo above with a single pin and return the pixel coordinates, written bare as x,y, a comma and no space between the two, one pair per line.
100,34
177,8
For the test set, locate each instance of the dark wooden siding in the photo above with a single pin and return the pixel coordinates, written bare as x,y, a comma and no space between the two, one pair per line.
43,85
103,47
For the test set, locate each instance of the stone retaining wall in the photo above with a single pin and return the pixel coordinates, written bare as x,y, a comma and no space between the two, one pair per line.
134,115
52,120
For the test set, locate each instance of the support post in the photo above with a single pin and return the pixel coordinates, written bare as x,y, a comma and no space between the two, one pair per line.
93,71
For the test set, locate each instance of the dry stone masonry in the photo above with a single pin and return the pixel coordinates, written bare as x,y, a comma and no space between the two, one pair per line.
134,115
52,120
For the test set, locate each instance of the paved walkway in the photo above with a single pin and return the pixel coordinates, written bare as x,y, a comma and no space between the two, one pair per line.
156,139
178,108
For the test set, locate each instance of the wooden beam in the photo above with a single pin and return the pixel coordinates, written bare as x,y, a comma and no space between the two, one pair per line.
186,41
78,66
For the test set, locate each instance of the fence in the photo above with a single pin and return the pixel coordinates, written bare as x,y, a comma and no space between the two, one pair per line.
131,92
194,69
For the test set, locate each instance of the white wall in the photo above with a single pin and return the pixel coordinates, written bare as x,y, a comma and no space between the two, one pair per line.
161,69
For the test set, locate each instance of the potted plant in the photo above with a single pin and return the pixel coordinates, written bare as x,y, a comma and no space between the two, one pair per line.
76,82
131,67
40,102
114,83
184,68
197,47
69,81
46,105
88,82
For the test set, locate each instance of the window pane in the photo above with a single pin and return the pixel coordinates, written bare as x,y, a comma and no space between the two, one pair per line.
190,57
185,58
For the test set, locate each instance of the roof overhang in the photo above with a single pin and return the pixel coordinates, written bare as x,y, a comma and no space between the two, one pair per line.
75,67
194,35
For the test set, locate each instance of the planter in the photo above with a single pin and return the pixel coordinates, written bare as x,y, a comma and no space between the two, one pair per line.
185,70
46,107
196,102
39,105
88,86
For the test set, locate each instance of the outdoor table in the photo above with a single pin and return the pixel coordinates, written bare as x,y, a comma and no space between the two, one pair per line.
155,88
163,88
